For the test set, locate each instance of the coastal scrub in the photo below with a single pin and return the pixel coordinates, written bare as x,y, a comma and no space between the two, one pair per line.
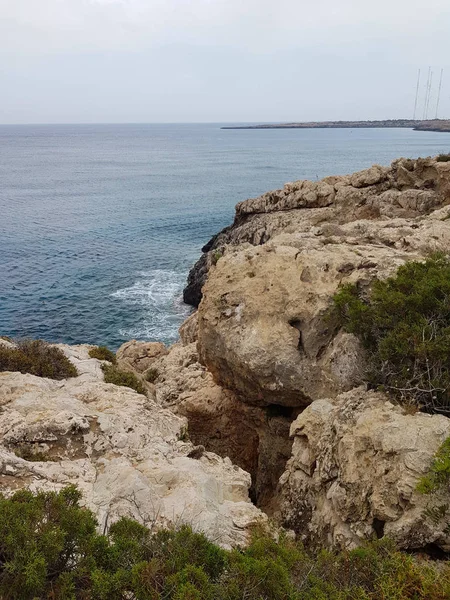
50,549
38,358
404,323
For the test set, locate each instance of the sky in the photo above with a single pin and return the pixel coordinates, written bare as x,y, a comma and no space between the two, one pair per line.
108,61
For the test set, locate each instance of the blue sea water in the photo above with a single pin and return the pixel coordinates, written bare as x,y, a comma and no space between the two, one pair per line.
99,224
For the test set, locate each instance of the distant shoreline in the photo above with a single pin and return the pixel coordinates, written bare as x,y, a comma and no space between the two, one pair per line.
441,125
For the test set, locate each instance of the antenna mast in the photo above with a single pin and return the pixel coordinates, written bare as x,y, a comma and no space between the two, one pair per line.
429,95
417,94
426,93
439,94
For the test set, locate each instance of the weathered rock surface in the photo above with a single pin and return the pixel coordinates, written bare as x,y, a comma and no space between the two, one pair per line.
255,439
263,325
408,188
137,357
356,461
124,452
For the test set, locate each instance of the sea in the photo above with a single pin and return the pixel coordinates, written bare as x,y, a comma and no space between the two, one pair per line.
99,224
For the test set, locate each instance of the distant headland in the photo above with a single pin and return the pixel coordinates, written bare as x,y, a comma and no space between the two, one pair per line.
417,125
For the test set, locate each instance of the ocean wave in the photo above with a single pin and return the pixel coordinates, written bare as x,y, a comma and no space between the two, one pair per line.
159,294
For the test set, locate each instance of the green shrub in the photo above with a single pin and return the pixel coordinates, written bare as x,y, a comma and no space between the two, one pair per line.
151,375
436,480
216,256
43,537
439,475
443,158
114,375
27,452
50,549
38,358
103,353
405,325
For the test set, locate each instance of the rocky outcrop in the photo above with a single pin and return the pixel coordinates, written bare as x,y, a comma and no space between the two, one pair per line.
267,341
408,189
356,462
128,455
255,439
138,357
264,327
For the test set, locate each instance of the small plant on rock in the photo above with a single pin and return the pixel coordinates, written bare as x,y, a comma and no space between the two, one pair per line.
404,323
443,158
114,375
151,375
435,481
103,353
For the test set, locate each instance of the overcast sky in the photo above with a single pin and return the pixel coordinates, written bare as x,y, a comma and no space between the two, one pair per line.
68,61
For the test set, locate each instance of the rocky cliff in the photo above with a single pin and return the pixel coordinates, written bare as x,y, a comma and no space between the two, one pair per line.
264,287
270,389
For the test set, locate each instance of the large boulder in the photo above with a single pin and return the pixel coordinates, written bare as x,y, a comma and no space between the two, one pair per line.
127,455
356,461
265,329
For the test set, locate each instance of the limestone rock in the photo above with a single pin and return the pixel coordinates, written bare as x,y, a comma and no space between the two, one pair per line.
356,461
189,330
124,452
406,189
255,439
264,321
137,356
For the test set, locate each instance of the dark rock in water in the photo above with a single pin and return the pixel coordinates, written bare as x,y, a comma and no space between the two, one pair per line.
192,293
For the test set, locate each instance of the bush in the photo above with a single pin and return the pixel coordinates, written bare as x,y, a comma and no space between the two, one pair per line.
103,353
443,158
151,375
114,375
50,549
405,325
438,479
38,358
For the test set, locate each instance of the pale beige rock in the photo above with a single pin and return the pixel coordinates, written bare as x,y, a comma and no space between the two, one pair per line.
356,461
264,326
87,367
189,329
137,356
124,452
253,438
407,189
263,329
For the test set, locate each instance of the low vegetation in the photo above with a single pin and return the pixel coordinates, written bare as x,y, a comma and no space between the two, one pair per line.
114,375
404,323
38,358
151,375
443,158
103,353
50,549
436,484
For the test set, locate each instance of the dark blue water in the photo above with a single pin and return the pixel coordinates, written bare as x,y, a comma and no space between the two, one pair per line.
99,224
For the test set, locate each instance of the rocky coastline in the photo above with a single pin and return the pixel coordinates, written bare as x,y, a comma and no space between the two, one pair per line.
261,410
416,124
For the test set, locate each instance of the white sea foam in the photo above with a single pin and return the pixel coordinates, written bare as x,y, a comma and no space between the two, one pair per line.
159,293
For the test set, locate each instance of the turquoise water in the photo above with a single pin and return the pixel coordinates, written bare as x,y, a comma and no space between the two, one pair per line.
99,224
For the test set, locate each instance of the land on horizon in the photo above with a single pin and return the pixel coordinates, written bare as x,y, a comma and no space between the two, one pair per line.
416,124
